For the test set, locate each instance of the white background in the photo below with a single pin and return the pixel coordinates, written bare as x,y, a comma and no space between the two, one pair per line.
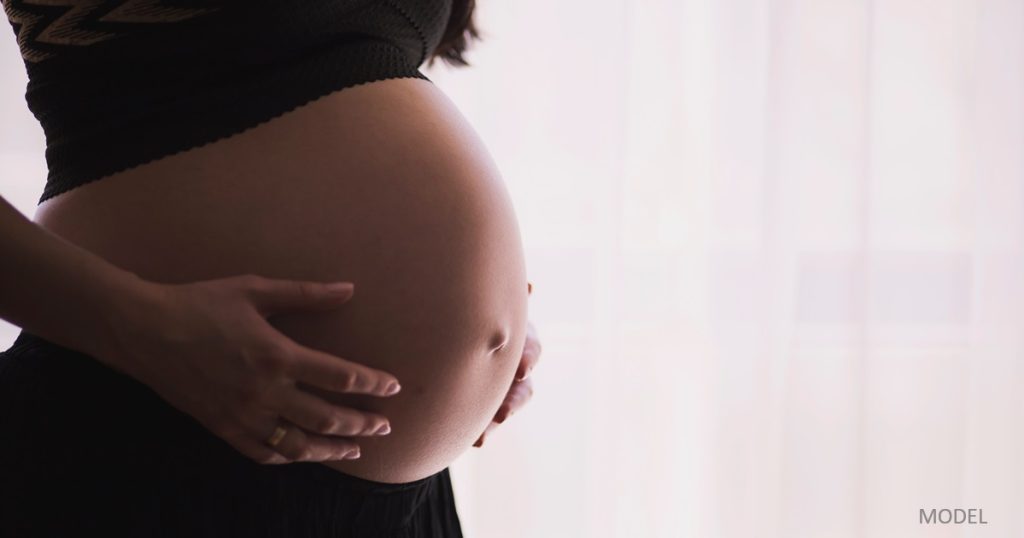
778,257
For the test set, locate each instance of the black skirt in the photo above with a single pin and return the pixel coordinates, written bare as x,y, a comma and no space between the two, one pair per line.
87,451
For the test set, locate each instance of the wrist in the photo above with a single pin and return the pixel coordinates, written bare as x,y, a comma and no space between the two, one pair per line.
131,301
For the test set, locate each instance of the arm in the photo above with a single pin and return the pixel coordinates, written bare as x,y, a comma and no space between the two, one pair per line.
59,291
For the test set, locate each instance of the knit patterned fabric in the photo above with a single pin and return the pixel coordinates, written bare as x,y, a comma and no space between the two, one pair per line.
119,83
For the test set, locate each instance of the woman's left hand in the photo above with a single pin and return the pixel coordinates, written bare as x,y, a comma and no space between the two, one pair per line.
522,385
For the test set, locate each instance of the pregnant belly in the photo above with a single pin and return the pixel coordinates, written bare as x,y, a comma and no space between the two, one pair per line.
383,184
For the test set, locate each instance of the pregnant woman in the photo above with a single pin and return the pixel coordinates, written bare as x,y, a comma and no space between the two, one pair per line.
184,368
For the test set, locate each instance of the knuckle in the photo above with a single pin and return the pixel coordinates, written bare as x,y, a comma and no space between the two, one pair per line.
292,452
266,458
249,395
306,290
274,357
346,381
273,348
328,424
306,453
246,396
354,428
250,281
276,362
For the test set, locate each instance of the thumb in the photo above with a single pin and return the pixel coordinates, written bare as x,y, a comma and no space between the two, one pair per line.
272,295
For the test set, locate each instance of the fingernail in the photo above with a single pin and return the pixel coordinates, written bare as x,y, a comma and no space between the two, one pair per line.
384,429
352,455
339,287
392,388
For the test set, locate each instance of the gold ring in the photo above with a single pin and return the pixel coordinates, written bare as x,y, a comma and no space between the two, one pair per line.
275,438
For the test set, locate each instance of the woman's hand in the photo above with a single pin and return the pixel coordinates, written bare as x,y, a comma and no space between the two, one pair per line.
522,386
208,350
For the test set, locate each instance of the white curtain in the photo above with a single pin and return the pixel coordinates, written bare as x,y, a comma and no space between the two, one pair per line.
777,249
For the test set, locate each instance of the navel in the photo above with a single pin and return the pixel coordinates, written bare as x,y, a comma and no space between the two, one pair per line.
499,339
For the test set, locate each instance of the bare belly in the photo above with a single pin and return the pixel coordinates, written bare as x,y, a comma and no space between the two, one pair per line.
383,184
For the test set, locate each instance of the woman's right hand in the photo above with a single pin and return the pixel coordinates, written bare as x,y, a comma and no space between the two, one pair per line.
208,350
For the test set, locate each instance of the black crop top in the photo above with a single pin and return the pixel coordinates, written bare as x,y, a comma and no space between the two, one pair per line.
118,83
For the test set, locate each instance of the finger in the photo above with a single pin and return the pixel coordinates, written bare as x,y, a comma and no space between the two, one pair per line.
257,451
483,436
334,373
517,396
298,445
316,415
531,353
490,426
273,295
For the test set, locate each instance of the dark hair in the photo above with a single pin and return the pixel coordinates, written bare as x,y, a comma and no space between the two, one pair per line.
457,35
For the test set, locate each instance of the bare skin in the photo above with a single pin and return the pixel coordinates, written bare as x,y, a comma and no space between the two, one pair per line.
384,185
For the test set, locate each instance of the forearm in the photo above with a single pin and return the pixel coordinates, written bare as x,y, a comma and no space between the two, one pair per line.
60,291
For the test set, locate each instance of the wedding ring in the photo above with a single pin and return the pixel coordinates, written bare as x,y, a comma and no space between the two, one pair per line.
275,438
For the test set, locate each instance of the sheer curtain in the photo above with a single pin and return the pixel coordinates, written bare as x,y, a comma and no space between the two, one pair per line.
777,249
